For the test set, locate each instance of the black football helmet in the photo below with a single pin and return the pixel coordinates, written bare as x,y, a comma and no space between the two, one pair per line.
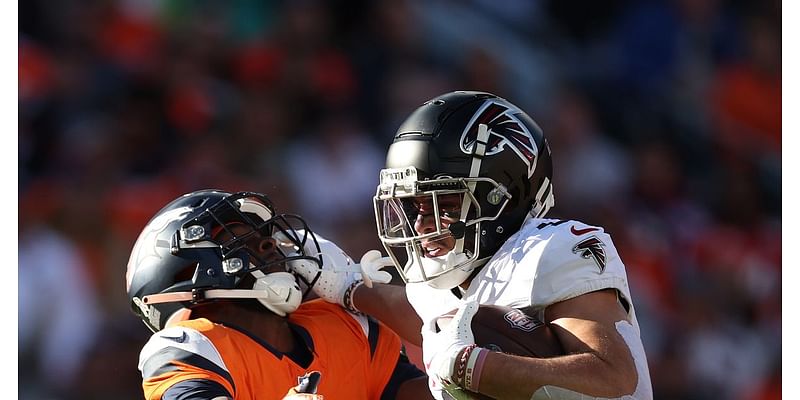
199,248
478,149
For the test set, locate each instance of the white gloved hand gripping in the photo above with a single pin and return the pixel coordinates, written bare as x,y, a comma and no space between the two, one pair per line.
440,351
333,277
338,274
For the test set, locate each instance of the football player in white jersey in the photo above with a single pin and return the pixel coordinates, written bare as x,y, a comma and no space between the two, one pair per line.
461,210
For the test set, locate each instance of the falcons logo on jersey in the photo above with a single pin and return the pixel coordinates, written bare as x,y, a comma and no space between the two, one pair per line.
505,131
592,248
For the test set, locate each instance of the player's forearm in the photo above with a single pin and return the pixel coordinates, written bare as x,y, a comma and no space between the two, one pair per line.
506,376
388,303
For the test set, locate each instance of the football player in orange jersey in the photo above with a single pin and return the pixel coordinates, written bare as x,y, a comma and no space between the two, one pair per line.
200,276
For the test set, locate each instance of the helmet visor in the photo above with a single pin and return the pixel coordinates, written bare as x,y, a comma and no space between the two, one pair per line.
424,216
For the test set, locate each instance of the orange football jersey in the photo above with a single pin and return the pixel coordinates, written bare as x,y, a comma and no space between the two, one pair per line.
354,365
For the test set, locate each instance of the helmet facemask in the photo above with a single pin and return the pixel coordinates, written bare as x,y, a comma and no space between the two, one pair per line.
432,228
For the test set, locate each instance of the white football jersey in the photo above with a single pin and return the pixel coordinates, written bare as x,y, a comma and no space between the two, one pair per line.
545,262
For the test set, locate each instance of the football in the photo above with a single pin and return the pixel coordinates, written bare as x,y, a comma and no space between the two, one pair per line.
510,330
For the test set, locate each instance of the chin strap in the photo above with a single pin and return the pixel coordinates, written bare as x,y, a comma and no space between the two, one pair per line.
198,295
277,291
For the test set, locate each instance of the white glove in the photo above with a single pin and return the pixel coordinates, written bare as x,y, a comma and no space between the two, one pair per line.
440,350
371,264
337,273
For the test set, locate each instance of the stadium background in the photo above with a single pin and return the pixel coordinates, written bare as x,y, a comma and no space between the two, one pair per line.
664,118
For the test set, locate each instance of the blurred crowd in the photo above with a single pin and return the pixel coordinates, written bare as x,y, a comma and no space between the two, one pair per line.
664,118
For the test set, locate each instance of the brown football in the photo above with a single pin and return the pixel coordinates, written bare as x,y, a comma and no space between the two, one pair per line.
510,330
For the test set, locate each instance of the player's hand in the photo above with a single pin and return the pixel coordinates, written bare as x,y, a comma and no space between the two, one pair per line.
333,277
441,351
371,263
338,271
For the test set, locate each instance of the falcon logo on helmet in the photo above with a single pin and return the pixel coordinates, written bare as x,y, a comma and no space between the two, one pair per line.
505,130
592,248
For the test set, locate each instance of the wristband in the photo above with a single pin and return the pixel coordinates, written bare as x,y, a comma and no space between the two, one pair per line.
474,369
461,368
347,300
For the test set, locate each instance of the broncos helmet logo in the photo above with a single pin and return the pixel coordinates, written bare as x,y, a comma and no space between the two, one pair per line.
149,237
505,131
592,248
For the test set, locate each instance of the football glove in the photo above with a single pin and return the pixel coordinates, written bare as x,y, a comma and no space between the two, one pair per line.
338,271
371,263
440,351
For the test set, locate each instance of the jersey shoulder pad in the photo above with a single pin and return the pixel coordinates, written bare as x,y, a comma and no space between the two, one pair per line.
572,258
560,226
179,343
565,237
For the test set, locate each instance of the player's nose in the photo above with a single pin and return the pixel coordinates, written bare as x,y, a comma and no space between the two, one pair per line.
425,223
267,248
267,245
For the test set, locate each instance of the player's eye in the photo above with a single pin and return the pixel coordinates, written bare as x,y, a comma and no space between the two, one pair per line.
410,208
450,213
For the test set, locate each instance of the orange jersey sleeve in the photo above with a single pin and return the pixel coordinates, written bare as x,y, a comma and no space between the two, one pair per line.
179,354
244,367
